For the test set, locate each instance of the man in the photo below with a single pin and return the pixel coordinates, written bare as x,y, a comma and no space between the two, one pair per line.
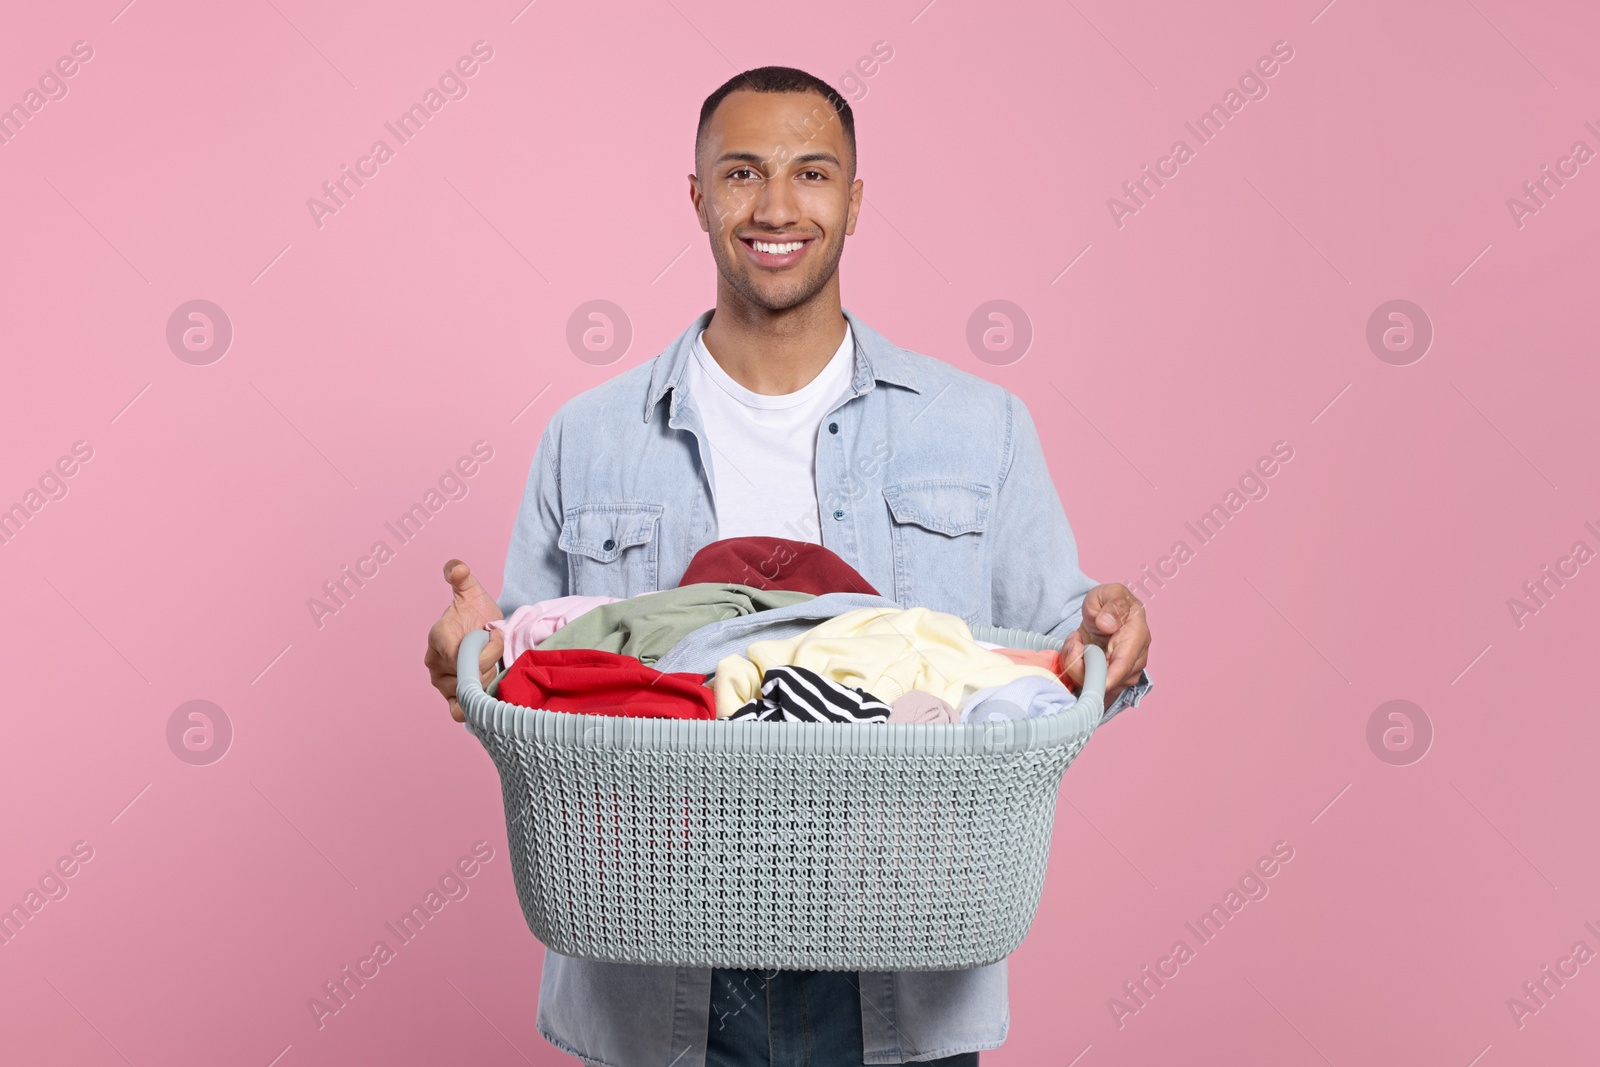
781,414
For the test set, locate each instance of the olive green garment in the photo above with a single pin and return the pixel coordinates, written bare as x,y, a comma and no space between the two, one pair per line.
647,626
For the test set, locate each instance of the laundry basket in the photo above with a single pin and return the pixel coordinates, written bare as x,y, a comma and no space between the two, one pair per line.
803,846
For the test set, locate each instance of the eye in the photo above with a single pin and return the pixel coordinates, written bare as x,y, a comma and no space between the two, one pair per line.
742,170
818,173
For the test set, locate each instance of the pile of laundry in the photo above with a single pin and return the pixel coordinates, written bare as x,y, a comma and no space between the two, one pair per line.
771,630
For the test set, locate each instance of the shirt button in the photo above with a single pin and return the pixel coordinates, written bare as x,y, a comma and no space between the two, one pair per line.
833,427
838,514
609,545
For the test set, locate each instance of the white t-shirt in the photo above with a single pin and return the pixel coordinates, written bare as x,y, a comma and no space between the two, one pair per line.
764,448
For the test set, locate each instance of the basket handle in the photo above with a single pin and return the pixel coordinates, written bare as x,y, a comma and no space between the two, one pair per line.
469,690
1093,688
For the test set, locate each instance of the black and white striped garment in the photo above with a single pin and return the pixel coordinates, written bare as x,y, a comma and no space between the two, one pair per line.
795,694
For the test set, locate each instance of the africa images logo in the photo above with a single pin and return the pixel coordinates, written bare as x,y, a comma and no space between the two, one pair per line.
1252,85
452,85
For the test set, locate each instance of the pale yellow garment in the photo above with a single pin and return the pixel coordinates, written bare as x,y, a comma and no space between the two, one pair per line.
886,651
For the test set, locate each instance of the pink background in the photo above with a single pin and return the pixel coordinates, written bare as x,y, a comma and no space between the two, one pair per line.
1228,314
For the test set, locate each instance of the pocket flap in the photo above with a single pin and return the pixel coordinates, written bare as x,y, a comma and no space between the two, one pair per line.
602,531
941,506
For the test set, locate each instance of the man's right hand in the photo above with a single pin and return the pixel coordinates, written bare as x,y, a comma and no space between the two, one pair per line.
471,608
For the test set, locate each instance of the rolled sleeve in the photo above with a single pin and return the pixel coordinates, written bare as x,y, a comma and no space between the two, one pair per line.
1129,697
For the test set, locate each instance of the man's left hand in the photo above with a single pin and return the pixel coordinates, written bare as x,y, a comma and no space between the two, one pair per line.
1113,618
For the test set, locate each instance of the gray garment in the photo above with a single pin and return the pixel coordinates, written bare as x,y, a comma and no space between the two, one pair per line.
932,484
700,650
647,626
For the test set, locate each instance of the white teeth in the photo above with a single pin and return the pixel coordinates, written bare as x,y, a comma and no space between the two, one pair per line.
777,249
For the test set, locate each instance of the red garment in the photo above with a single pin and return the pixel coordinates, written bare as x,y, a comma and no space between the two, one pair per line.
1050,661
775,563
589,682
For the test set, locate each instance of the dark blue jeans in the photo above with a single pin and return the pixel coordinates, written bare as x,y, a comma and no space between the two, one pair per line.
790,1019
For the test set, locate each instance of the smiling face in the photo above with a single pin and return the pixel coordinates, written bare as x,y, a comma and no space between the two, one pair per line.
777,192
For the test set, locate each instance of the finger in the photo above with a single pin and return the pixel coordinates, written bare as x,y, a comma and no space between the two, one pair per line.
441,679
463,582
1125,664
1136,668
443,641
439,667
488,667
1119,657
1115,675
468,596
1111,614
489,658
1143,656
1118,675
1070,661
455,711
1109,618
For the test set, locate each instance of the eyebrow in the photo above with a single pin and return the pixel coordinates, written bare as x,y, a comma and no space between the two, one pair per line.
754,157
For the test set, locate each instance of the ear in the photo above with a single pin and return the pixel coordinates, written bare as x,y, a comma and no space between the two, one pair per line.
698,200
855,207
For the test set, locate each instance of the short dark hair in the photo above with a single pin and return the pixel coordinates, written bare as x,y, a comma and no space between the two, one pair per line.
779,80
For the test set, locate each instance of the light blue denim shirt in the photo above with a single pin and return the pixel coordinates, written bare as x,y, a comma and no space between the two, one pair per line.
932,484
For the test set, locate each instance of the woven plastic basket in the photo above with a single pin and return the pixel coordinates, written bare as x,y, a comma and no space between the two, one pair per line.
804,846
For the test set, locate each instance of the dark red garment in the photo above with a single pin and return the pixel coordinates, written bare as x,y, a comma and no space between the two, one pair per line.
590,682
775,563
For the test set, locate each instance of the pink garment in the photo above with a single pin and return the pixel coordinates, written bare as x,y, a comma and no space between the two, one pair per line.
532,623
917,706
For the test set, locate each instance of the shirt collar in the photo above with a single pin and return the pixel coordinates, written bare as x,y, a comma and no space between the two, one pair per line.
877,360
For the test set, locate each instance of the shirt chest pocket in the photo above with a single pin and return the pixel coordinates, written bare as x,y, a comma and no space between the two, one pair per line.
940,558
612,549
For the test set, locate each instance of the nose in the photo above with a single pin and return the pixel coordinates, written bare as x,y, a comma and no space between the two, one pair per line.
776,206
